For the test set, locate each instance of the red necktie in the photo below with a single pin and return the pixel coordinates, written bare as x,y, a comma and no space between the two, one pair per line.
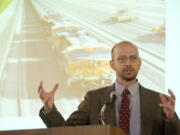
124,112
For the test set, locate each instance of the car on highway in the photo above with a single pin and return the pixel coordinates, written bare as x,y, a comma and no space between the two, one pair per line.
66,35
48,16
88,66
123,15
59,33
159,29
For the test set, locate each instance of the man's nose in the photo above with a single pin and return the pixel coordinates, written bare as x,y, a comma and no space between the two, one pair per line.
128,61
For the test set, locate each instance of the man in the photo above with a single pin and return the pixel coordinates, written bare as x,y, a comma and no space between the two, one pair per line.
138,111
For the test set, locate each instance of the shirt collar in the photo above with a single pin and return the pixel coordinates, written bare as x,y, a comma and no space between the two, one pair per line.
133,89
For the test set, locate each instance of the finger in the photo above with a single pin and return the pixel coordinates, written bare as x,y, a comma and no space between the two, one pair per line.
55,88
40,86
41,93
170,99
47,98
163,99
165,106
171,93
40,90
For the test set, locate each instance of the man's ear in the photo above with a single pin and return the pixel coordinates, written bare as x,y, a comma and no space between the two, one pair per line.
111,64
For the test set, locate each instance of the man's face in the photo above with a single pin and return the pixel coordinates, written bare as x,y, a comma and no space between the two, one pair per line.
126,62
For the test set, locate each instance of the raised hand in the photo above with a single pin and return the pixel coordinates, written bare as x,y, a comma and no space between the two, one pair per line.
47,97
168,104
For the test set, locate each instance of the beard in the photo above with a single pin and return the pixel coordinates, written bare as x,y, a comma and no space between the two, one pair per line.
128,74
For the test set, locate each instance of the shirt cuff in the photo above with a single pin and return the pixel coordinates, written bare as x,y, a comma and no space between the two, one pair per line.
174,119
46,112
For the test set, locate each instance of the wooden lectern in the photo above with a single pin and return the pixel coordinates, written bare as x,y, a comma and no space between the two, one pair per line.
75,130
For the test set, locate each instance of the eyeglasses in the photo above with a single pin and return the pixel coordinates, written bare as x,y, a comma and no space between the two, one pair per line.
123,59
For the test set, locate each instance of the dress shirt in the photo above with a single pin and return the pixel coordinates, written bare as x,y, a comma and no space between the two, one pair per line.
135,113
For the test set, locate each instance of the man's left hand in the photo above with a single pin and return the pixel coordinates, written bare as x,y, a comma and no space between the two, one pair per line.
168,104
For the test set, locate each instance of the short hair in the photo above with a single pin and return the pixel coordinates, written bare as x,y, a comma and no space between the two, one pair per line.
120,43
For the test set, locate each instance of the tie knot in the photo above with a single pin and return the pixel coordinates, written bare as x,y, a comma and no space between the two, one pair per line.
126,91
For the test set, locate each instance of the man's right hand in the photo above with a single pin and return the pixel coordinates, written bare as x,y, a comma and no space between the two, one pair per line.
47,97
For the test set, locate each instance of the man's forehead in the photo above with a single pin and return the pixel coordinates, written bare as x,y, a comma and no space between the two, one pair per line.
126,45
124,48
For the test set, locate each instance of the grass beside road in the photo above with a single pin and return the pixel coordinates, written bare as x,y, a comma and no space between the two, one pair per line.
4,4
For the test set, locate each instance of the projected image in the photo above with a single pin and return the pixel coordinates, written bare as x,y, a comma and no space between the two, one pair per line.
69,42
